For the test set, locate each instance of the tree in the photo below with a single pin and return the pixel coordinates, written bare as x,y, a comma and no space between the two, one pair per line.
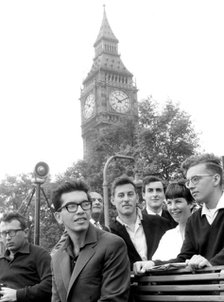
17,194
165,138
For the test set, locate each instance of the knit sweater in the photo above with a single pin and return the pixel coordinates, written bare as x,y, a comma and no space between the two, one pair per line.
204,239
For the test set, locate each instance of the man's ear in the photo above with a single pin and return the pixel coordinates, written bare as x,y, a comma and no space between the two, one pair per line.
112,200
216,179
57,216
26,232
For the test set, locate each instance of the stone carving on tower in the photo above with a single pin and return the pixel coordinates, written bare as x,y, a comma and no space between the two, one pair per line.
109,95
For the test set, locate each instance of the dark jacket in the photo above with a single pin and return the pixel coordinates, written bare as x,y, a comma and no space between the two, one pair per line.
167,216
101,271
154,227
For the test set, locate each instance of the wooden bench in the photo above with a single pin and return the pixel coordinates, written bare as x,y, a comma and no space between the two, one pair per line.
180,285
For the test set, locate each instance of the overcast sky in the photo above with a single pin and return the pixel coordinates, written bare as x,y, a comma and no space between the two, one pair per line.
174,49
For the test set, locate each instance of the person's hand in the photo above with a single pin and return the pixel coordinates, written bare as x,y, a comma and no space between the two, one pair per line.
7,294
140,267
197,261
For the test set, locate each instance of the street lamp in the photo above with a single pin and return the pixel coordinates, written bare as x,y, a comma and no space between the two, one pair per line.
105,185
41,171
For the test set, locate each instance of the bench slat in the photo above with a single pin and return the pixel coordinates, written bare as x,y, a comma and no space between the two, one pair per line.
181,288
179,298
192,277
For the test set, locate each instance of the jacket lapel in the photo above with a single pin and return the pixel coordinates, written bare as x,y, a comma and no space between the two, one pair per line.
85,254
65,268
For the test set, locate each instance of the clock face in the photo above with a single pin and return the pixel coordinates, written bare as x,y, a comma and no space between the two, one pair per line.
89,106
119,101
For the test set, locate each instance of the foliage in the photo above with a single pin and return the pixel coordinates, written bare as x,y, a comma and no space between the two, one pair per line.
165,139
18,193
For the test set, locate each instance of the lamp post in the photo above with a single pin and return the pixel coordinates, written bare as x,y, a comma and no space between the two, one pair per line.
41,171
105,185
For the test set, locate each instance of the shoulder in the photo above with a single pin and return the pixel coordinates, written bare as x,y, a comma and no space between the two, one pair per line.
115,226
38,249
40,253
153,219
110,240
195,215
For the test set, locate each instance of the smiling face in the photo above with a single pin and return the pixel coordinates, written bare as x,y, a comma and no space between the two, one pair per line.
179,209
154,195
78,221
125,200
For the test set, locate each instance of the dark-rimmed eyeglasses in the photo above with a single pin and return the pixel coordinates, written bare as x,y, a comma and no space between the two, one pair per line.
72,207
11,233
195,179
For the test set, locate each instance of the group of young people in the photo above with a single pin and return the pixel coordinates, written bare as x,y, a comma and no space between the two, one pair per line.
94,263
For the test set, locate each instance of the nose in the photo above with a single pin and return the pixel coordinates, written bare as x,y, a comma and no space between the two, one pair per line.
7,236
126,197
190,185
154,193
173,206
79,209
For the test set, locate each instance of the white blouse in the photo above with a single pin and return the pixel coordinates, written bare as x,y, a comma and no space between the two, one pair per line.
170,245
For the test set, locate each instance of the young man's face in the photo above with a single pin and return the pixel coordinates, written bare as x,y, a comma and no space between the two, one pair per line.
204,187
77,221
154,195
125,199
14,241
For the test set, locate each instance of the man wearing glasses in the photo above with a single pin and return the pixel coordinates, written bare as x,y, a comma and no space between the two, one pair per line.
204,235
96,214
92,265
25,271
204,244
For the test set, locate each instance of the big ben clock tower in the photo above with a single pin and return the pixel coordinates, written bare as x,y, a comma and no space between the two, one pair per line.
109,95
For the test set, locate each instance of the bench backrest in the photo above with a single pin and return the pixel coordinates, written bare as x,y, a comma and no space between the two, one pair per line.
180,285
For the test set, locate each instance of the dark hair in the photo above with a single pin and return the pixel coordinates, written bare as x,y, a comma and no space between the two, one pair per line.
149,179
8,217
120,181
178,190
67,187
212,162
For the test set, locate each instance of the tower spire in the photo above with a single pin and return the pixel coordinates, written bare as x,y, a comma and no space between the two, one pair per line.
105,30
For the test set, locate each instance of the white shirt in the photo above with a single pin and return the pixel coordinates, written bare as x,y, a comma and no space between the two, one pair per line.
96,223
170,245
137,236
212,213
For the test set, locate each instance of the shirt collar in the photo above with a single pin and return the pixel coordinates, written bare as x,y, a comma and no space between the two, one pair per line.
25,249
220,205
92,220
138,220
149,211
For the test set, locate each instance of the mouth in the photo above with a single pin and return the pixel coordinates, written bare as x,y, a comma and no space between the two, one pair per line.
10,244
81,219
176,214
194,193
126,206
